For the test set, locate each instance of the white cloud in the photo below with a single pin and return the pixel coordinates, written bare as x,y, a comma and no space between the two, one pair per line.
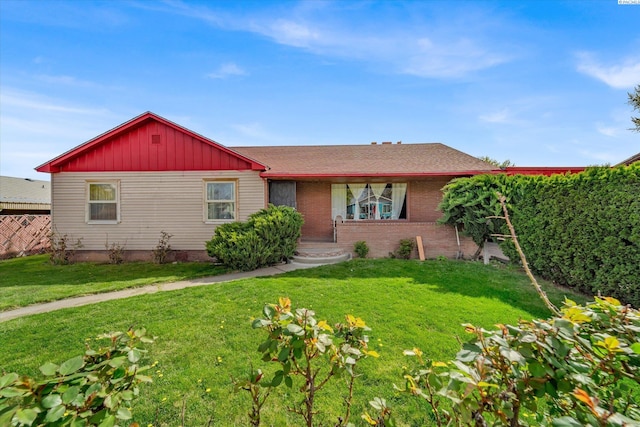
607,130
252,130
226,70
501,116
449,59
600,157
619,76
445,49
293,33
30,101
44,126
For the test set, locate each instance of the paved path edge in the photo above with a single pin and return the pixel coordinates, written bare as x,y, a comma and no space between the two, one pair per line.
148,289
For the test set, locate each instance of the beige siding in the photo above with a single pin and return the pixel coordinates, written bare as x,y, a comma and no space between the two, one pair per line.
150,202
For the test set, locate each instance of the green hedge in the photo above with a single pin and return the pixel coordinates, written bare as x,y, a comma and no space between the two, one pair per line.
269,236
579,230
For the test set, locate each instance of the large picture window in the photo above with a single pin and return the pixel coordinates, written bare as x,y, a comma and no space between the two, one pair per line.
220,203
102,203
369,201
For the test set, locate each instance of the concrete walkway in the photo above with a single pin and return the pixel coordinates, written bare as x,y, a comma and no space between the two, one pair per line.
149,289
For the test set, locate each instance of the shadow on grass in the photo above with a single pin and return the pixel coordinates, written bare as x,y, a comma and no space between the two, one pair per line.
472,279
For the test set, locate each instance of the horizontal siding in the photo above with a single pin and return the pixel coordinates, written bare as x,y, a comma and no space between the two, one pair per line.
150,202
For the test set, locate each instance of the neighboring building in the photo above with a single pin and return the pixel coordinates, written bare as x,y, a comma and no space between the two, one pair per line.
150,175
24,196
632,159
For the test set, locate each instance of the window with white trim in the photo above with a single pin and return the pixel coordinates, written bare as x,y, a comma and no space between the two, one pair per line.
220,200
103,202
369,201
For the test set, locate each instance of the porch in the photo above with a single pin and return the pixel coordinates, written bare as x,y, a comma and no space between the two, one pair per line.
383,237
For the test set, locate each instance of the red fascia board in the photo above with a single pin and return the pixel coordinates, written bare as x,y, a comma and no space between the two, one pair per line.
52,166
542,170
371,175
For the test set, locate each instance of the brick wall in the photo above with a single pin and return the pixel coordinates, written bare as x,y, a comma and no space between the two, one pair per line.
383,237
313,200
423,198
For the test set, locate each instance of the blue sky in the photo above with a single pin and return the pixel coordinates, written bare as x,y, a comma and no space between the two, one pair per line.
542,83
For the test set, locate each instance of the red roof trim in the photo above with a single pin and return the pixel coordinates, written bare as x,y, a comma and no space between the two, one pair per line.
541,170
53,165
373,175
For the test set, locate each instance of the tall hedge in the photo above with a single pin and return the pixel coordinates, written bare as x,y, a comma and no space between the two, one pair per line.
578,230
268,237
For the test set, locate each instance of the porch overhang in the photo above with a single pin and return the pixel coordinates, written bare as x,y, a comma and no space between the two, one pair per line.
370,175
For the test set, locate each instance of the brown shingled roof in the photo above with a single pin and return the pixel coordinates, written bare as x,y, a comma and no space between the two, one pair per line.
383,160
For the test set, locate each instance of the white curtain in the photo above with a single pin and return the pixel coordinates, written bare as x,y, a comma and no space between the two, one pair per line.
338,201
357,190
377,191
398,191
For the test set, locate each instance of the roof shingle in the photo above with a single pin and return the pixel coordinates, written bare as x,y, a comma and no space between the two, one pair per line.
365,160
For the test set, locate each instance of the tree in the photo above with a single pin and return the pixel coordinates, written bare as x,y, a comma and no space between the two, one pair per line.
494,162
634,101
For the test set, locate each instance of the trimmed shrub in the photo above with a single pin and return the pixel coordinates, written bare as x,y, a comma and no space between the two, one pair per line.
405,249
269,236
361,248
578,230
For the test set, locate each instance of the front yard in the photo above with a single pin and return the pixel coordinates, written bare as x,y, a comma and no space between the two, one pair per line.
205,337
31,280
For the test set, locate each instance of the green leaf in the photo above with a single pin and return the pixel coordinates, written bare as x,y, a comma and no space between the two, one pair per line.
537,370
277,380
51,401
109,421
69,395
71,365
134,355
269,311
54,414
468,353
284,354
565,422
288,382
295,329
26,416
123,414
635,347
6,417
12,392
8,379
49,369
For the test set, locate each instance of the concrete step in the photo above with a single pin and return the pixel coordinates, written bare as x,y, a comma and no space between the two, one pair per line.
323,259
320,253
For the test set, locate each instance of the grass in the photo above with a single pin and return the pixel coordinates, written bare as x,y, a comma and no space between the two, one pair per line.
31,280
204,334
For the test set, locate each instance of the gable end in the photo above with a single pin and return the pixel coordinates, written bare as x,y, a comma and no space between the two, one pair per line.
149,143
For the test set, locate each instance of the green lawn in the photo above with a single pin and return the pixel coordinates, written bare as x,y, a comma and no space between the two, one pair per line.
30,280
406,303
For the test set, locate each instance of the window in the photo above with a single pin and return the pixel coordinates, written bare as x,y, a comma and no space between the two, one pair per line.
102,204
367,201
220,200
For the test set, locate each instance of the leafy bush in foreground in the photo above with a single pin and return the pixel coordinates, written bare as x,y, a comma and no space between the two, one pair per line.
94,389
581,368
269,236
310,354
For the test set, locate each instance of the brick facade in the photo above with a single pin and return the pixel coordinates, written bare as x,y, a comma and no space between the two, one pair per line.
423,198
313,201
383,237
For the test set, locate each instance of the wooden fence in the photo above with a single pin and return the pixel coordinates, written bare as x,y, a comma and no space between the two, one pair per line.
23,234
